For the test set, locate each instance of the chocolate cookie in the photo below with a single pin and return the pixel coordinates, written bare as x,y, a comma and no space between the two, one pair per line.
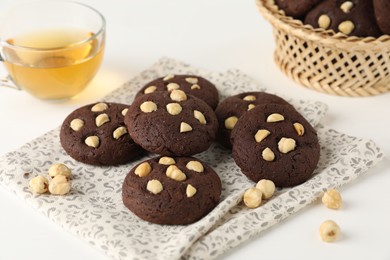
96,134
296,8
232,108
275,142
190,84
382,15
171,191
171,123
353,18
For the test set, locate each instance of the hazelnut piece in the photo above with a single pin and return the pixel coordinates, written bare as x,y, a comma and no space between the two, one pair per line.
76,124
230,122
190,191
143,169
150,89
92,141
166,160
267,188
199,115
261,135
184,127
268,155
174,108
286,145
192,80
39,184
178,95
154,186
172,86
332,199
195,166
175,173
252,198
119,132
101,119
148,107
329,231
99,107
59,169
275,117
59,185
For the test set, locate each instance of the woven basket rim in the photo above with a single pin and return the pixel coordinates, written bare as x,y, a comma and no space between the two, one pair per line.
295,27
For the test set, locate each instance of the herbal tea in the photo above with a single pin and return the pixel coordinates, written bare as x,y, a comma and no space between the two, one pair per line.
53,64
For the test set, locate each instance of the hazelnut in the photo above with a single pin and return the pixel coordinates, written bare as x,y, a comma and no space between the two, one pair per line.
268,155
150,89
230,122
199,115
332,199
166,160
192,80
252,198
250,106
168,77
172,86
143,169
154,186
286,145
324,21
195,86
174,108
275,117
261,135
92,141
76,124
346,7
124,111
178,95
148,107
329,231
59,185
119,132
249,98
101,119
346,27
59,169
99,107
267,188
195,166
299,129
175,173
184,127
190,191
39,184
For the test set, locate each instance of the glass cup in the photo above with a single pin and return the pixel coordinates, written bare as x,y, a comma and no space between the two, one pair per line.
51,49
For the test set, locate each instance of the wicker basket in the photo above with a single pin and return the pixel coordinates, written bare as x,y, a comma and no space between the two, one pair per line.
328,62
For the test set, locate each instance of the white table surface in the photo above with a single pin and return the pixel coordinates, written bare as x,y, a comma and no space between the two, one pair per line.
216,35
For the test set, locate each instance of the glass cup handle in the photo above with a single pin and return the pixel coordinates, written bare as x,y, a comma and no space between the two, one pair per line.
7,81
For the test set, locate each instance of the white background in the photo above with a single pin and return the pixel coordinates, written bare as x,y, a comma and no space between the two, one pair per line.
216,35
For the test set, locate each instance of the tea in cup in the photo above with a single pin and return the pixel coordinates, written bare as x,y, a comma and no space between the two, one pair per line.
52,49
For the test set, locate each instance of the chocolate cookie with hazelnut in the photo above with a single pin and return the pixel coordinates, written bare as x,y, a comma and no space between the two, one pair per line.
191,85
232,108
96,134
275,142
351,17
171,190
171,123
